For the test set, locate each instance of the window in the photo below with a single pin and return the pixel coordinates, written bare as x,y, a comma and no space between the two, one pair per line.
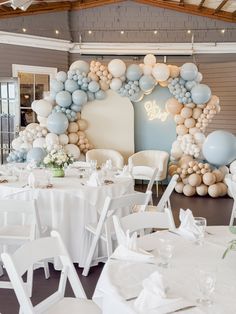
34,82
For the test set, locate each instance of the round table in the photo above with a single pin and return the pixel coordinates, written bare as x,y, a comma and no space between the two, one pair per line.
121,280
68,206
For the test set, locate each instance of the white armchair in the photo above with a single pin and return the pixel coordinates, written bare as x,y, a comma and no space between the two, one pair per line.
102,155
144,162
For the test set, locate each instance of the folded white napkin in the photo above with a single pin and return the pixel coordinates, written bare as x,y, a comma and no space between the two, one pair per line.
188,227
108,164
32,182
128,248
153,296
95,179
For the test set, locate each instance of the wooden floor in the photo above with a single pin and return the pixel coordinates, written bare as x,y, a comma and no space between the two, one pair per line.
216,211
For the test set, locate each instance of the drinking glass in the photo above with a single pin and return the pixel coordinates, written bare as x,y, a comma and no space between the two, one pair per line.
206,284
93,165
165,252
201,223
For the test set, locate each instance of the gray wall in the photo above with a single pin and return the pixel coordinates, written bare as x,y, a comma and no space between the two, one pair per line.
137,20
10,54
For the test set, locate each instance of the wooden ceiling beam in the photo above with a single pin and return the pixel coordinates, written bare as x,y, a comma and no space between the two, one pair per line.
220,6
201,4
181,2
191,9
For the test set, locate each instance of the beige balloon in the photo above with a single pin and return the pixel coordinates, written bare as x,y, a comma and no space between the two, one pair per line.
186,159
202,190
172,170
83,125
181,129
214,190
179,119
223,188
218,174
174,71
194,179
197,113
189,190
173,106
208,178
179,187
189,123
73,127
73,138
186,112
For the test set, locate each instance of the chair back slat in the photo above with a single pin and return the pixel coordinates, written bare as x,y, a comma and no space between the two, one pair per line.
166,195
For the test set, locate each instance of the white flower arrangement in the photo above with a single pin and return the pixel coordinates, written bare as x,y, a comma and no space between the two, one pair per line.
58,159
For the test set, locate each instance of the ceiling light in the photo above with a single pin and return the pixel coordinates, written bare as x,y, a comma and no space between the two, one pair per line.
189,31
57,31
222,31
90,32
155,32
24,30
122,32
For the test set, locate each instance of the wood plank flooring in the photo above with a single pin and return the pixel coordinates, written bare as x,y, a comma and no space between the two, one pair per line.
216,211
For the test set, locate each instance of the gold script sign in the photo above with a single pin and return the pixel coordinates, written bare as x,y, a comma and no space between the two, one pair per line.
154,111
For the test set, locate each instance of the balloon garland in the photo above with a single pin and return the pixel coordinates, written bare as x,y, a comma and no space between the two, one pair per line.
192,105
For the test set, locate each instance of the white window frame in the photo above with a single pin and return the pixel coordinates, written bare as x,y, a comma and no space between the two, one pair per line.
18,68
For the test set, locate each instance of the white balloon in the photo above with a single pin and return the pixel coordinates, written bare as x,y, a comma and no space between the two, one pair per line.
42,121
116,84
161,72
52,139
27,146
63,139
117,67
43,108
33,105
232,167
81,65
147,69
31,126
39,142
199,137
199,77
73,150
16,143
150,59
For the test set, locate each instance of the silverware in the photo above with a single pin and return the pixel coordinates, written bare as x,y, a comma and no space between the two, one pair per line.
132,298
182,309
209,233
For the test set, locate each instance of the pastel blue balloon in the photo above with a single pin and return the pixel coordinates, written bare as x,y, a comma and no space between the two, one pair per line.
53,95
188,71
100,95
90,95
57,123
71,86
76,108
93,86
63,99
79,97
200,94
219,148
190,84
147,83
57,86
137,97
61,76
36,154
134,72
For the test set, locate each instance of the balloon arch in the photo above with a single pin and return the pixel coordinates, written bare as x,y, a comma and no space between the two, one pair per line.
193,107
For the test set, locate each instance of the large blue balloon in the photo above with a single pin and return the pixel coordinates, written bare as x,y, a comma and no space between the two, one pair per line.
188,71
100,95
93,86
57,123
147,83
219,148
71,86
57,86
134,72
201,94
36,154
79,97
63,99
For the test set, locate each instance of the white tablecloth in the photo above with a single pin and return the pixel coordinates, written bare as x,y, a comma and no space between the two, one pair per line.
68,206
121,280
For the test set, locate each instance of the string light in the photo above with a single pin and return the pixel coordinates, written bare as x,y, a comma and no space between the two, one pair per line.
222,31
189,31
57,32
155,32
24,30
90,32
122,32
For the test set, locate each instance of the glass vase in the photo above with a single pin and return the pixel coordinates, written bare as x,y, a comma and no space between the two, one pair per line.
58,172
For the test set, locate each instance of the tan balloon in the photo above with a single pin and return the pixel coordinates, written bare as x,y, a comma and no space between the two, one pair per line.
223,188
93,76
179,119
194,179
193,130
186,112
202,190
173,106
73,127
81,134
185,160
78,115
174,71
197,113
181,129
172,170
83,125
189,190
104,86
190,105
218,174
209,178
214,190
189,123
179,187
163,83
73,138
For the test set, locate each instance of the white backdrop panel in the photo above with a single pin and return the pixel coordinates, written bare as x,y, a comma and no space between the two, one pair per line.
111,123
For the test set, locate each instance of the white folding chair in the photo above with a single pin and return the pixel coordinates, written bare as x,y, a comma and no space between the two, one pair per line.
165,199
144,221
26,256
26,227
232,190
102,229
